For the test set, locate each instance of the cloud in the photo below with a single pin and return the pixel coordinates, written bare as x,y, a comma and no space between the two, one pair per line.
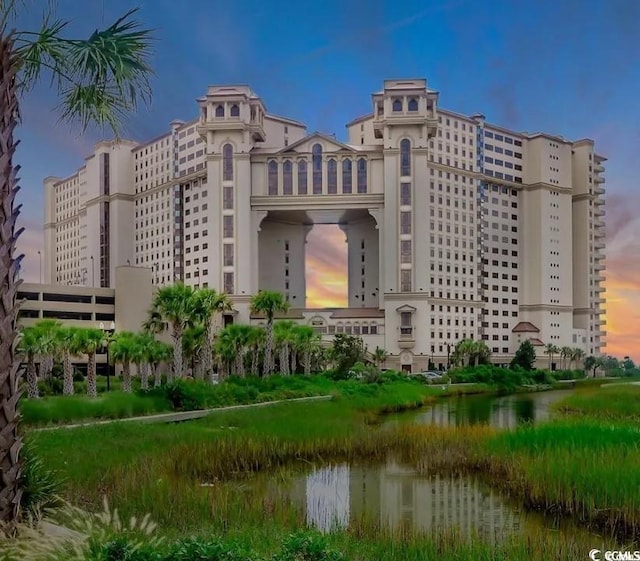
326,267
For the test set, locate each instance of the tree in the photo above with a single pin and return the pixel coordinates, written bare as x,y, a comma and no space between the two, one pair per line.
47,333
209,304
100,79
268,302
123,350
255,341
551,350
30,346
285,336
159,352
193,344
346,351
480,353
232,344
88,341
525,356
576,355
565,353
65,342
593,363
379,356
174,306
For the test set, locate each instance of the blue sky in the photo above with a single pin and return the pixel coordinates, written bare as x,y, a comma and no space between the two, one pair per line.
568,67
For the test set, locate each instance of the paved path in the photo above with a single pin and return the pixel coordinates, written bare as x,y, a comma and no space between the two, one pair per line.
175,417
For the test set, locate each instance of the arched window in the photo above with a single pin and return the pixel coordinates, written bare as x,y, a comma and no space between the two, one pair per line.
332,177
220,111
362,175
316,163
397,105
227,162
287,177
413,104
302,177
347,178
405,157
235,111
273,177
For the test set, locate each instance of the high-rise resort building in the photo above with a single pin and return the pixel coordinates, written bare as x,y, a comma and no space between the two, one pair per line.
456,228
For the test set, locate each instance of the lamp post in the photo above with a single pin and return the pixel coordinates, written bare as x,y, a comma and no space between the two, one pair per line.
93,275
40,258
108,332
448,355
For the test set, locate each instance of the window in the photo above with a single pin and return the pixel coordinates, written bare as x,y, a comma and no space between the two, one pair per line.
287,177
405,280
413,104
316,164
405,251
347,179
405,193
273,177
228,255
405,222
227,162
227,226
397,105
302,177
405,323
228,283
362,175
405,157
220,111
235,111
332,177
227,198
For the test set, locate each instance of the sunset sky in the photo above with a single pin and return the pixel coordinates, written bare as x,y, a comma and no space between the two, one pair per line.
568,67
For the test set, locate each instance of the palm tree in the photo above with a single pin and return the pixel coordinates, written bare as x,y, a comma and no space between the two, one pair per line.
47,333
30,346
379,356
124,350
159,352
99,79
174,305
255,341
565,353
65,342
88,341
284,336
193,345
306,339
551,350
268,302
576,355
209,304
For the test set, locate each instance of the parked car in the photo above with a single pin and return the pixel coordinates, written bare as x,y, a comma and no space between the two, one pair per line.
429,376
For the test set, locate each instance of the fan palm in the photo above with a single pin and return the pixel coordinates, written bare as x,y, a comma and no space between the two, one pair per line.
47,329
209,304
193,345
124,350
565,353
30,346
255,341
175,306
307,341
268,302
65,342
284,332
88,341
99,80
379,356
550,350
160,352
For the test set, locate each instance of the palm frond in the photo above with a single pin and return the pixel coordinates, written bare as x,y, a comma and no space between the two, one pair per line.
43,49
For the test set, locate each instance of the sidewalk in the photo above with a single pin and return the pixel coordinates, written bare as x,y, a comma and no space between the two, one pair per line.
178,416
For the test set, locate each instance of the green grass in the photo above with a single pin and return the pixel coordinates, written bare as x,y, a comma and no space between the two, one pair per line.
586,467
618,402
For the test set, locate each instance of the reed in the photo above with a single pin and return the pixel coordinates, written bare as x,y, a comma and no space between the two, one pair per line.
619,402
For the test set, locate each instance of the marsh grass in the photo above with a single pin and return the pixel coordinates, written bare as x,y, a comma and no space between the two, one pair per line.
619,402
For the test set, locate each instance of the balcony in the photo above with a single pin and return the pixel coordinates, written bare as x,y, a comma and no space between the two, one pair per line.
598,267
599,168
598,179
407,339
599,244
598,189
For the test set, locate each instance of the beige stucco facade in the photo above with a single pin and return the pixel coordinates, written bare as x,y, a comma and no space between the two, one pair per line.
456,228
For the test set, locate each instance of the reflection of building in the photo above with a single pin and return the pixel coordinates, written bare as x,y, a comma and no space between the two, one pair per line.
455,228
396,496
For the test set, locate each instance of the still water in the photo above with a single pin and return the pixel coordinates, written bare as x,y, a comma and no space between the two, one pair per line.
504,412
394,496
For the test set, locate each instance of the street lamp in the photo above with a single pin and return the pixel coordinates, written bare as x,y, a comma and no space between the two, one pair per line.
108,331
40,258
93,275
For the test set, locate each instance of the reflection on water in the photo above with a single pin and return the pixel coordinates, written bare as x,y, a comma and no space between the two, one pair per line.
499,411
395,496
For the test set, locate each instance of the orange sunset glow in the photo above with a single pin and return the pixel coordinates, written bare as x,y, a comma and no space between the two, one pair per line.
326,270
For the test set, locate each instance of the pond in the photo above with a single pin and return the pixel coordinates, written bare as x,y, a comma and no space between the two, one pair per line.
507,411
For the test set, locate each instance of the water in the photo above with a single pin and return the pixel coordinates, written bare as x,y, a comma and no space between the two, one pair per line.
504,412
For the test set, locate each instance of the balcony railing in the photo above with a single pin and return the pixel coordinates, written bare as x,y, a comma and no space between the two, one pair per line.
406,331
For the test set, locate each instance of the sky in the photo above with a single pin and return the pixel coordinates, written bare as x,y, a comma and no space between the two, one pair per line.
568,67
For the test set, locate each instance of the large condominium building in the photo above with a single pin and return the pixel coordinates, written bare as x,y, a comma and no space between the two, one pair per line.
456,228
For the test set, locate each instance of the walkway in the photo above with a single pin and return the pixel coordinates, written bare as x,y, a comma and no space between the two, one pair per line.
176,417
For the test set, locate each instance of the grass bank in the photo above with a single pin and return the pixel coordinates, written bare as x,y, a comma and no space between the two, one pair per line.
621,402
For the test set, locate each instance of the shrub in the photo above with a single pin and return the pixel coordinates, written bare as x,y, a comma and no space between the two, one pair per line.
307,547
41,486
